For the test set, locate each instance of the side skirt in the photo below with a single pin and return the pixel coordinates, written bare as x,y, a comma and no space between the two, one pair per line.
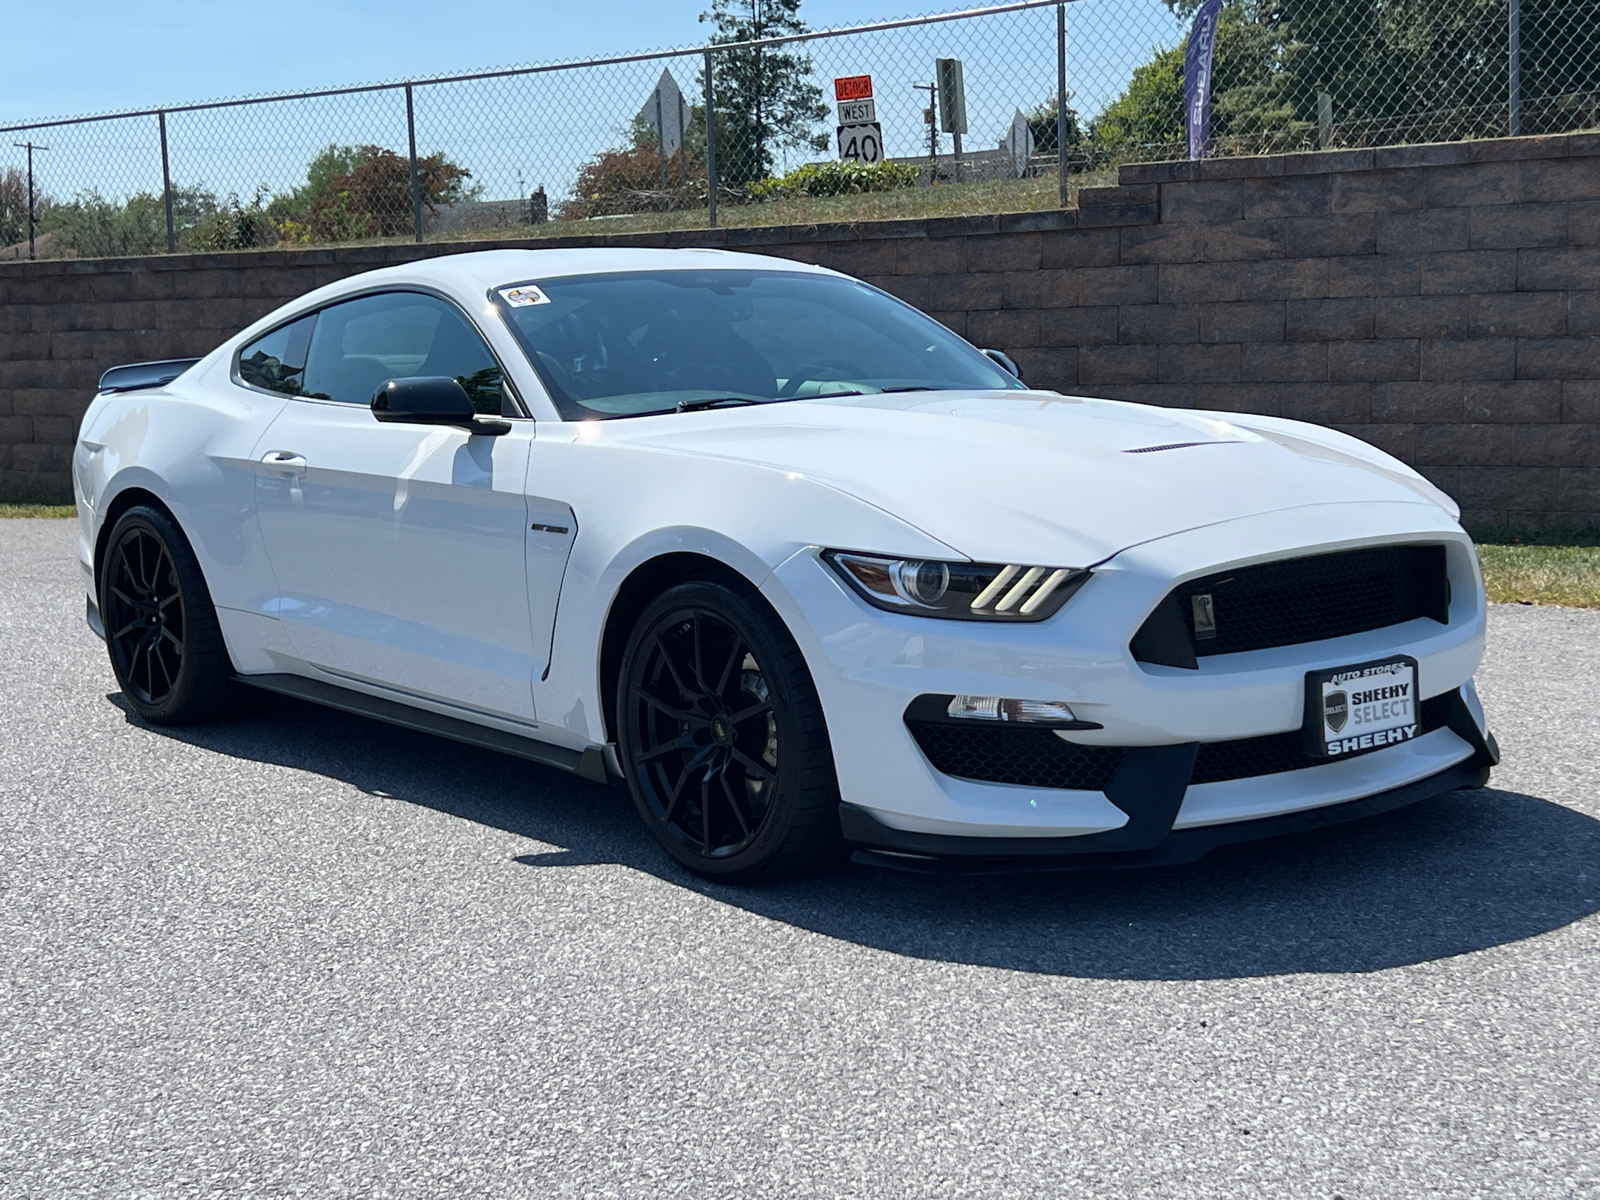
589,763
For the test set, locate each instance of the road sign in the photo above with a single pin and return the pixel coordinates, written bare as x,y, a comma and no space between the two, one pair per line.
861,143
666,114
853,87
857,112
952,95
1020,142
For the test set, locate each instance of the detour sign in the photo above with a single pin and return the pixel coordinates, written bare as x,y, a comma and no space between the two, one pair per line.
853,87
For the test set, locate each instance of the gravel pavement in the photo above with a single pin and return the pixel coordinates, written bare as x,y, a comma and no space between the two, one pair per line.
307,954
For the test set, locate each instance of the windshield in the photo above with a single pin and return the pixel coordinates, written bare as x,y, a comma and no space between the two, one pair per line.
649,341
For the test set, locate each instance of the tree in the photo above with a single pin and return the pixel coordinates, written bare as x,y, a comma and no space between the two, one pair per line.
1042,125
14,205
1395,70
329,163
365,191
1149,113
765,98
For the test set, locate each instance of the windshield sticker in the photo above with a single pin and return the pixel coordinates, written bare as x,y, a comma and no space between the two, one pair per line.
521,297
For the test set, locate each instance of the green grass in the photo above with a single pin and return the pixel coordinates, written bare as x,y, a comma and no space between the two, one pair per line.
946,200
1521,574
992,197
54,511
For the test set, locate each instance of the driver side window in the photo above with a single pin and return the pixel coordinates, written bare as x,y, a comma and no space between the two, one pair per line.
360,345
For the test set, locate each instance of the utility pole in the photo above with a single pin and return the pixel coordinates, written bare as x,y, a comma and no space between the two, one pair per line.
31,148
933,124
416,185
166,185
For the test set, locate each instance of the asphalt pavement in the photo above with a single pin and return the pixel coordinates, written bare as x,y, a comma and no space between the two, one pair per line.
303,954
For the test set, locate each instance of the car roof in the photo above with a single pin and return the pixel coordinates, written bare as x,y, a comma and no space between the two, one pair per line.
496,268
476,272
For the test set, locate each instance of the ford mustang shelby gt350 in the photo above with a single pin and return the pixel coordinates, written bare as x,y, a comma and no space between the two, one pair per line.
805,569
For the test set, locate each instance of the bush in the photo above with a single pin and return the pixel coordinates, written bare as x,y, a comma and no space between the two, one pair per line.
620,181
90,226
836,179
233,225
365,191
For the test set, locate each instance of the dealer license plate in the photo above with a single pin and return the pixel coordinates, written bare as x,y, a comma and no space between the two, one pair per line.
1350,710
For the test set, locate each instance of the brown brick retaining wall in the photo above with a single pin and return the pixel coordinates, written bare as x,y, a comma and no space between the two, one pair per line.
1442,302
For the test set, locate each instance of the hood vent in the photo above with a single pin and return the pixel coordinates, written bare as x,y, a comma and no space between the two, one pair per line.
1177,446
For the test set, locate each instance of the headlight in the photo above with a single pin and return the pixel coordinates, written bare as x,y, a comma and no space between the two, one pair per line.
962,591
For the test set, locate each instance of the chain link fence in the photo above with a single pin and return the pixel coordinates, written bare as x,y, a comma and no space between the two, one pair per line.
750,130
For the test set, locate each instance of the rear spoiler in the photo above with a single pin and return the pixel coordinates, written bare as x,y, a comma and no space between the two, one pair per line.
134,376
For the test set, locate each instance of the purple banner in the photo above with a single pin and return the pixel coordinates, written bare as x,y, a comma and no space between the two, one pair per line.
1197,77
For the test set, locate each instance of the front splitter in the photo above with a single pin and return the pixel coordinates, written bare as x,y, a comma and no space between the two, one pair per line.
879,845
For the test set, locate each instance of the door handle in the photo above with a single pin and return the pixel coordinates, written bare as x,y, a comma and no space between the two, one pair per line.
284,462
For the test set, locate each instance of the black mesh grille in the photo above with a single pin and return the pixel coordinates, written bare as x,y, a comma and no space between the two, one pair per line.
1033,757
1247,758
1309,599
1038,758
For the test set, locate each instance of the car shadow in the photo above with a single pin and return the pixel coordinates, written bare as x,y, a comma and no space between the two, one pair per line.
1458,873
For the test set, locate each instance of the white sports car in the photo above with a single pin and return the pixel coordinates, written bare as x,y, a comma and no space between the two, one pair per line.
805,569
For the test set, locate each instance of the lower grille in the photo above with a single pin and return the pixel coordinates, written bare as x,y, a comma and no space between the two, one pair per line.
1247,758
1038,758
1032,757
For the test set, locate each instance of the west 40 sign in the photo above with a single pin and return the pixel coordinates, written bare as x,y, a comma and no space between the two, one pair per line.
860,135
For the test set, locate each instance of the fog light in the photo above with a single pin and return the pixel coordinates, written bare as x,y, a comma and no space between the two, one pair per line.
996,708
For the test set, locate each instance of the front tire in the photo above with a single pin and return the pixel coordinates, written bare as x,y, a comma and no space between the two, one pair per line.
162,633
723,740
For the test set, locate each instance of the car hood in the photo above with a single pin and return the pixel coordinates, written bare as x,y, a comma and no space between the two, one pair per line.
1037,477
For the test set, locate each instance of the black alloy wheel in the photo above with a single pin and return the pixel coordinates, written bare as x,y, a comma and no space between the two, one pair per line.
723,739
165,644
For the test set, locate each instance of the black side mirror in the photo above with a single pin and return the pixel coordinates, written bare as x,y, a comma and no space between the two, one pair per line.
432,400
1004,361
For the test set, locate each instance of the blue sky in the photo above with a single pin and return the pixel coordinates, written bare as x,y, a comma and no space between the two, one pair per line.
98,55
94,56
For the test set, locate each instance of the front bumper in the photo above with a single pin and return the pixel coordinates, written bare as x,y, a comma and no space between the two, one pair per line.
1152,787
879,845
869,666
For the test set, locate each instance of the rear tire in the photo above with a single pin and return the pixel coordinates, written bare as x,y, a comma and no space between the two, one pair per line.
162,633
723,740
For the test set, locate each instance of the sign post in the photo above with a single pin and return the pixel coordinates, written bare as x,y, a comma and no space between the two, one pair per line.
952,102
1020,142
860,135
667,115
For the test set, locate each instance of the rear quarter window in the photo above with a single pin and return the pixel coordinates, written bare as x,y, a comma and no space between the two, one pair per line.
277,361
